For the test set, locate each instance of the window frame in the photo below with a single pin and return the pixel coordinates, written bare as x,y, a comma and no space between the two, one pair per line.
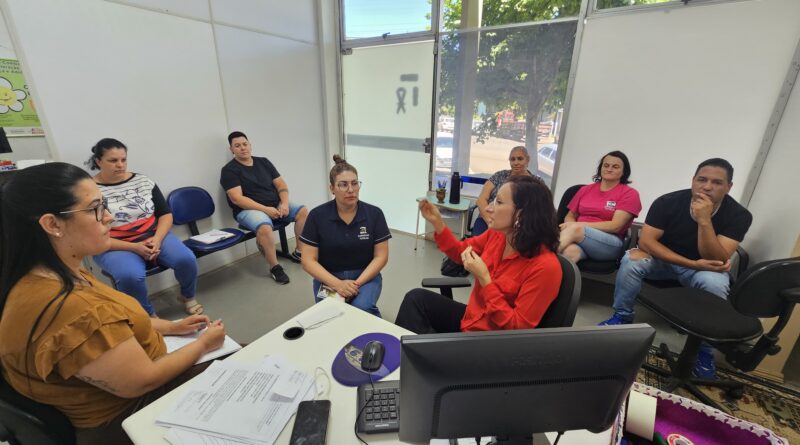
389,39
671,4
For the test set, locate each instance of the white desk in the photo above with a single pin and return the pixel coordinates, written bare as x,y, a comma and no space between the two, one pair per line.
317,347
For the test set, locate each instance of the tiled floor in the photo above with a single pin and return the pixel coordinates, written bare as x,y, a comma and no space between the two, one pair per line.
251,304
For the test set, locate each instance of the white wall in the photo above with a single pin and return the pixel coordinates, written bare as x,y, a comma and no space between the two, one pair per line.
671,88
776,222
171,85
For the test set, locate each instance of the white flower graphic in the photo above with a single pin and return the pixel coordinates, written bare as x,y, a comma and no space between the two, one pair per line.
10,99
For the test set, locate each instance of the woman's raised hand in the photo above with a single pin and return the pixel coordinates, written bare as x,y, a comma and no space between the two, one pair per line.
429,211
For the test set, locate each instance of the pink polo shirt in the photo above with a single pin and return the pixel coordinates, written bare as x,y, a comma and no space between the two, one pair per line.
591,204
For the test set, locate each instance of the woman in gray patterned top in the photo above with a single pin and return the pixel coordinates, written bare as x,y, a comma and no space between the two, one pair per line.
518,159
140,235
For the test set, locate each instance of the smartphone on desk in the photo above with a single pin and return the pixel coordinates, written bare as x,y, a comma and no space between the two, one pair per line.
311,423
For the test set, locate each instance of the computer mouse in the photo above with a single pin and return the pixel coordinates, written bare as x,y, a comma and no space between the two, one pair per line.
372,356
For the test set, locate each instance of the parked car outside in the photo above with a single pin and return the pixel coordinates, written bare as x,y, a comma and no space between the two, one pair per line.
547,160
444,151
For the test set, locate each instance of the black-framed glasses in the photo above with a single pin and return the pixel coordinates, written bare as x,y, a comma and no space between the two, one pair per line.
99,209
344,185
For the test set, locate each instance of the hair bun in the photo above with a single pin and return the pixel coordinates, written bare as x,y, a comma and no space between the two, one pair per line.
339,160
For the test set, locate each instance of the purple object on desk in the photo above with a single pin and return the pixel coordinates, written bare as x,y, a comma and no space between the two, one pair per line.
346,367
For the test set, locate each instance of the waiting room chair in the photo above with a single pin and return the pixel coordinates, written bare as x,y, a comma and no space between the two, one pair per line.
26,422
589,265
561,312
768,289
191,204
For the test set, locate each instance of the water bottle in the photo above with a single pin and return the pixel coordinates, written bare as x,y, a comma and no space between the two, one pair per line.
455,188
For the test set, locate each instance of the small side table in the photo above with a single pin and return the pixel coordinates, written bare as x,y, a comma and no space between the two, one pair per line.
462,207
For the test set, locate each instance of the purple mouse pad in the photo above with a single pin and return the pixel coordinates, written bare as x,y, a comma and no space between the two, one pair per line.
346,367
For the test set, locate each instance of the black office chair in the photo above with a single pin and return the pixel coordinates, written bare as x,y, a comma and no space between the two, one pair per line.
590,265
768,289
561,312
24,422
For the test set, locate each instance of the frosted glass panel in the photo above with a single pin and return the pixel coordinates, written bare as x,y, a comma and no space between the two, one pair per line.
387,114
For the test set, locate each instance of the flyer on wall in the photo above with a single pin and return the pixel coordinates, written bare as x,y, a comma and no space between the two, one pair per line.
17,112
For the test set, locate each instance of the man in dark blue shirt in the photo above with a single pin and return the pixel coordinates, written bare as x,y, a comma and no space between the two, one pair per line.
258,196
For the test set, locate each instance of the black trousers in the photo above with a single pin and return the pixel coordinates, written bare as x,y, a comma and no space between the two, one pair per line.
426,312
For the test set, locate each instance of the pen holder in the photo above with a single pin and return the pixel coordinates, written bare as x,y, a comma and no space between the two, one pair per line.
440,194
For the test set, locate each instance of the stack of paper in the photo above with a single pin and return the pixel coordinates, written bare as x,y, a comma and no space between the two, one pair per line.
237,403
212,236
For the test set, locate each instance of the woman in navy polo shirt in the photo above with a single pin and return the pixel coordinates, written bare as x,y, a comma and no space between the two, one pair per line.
347,243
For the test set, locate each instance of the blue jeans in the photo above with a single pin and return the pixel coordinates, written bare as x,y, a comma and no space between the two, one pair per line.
632,272
253,219
128,269
368,293
599,245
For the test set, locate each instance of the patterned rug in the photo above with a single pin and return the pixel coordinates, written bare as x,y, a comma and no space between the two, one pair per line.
765,403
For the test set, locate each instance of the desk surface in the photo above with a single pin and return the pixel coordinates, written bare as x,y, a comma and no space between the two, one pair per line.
317,347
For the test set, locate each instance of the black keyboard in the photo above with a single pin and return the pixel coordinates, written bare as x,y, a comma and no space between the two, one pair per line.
380,415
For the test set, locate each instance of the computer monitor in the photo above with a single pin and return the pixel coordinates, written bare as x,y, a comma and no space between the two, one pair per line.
513,384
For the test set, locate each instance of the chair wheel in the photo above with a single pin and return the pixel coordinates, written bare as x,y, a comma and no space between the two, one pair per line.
735,393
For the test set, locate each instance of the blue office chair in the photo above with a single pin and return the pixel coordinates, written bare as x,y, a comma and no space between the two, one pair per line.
26,422
191,204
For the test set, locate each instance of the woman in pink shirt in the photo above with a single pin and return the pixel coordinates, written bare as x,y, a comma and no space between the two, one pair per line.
601,213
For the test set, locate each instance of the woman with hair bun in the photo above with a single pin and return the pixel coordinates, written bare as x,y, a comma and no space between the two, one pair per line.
140,231
517,273
346,243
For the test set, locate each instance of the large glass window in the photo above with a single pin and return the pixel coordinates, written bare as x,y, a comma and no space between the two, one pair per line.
503,87
383,18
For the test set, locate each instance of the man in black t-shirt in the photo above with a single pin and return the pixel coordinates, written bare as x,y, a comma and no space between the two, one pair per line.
689,236
258,196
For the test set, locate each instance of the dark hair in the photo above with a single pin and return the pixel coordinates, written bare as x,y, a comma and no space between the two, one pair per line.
100,149
31,193
234,135
717,162
340,166
626,167
535,223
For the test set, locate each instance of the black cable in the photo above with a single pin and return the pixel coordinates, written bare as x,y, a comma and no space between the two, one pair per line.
560,433
355,425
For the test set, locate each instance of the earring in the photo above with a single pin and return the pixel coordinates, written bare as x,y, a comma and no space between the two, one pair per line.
516,224
58,234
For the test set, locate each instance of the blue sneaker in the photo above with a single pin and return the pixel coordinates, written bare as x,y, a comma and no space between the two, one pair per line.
614,321
704,366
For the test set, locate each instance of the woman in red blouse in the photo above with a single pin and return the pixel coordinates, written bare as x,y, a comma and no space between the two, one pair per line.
517,273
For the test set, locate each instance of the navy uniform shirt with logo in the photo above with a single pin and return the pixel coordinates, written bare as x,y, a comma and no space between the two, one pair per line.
345,246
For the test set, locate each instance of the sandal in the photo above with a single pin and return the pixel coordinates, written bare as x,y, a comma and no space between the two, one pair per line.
192,306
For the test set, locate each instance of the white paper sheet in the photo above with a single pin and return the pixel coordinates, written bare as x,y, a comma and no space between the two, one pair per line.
212,236
175,342
237,402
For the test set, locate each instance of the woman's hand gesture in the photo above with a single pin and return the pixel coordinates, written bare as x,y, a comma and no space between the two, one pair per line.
474,264
431,214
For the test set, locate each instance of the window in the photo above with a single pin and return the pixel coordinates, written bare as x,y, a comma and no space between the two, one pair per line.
505,12
382,18
502,88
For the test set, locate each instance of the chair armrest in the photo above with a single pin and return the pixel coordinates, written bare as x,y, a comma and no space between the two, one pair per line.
446,282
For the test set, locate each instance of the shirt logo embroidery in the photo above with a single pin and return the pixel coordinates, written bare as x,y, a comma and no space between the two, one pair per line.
611,205
362,233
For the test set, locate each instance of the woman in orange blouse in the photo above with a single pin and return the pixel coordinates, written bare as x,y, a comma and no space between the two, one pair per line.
67,339
517,273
